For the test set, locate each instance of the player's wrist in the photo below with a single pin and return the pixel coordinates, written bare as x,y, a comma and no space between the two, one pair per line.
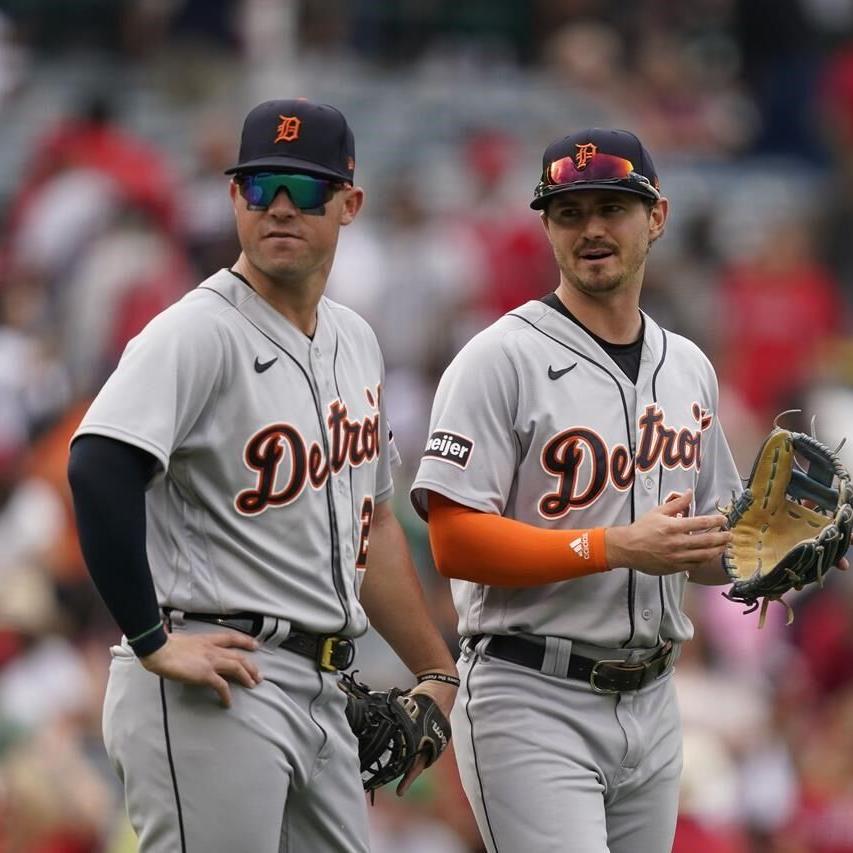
441,677
710,573
615,551
446,673
149,642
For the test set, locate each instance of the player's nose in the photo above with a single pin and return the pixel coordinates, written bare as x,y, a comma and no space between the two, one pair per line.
282,204
593,225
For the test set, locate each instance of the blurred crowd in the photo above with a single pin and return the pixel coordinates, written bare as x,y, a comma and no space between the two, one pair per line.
118,119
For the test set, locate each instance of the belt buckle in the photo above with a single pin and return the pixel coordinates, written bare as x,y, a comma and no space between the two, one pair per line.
620,665
336,653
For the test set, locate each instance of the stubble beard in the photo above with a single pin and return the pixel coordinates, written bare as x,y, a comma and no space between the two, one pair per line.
594,285
597,282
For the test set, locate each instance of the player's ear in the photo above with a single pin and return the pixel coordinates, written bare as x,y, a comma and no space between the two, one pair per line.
657,219
233,189
353,199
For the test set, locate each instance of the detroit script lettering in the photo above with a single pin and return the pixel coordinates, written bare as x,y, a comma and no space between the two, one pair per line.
281,447
564,454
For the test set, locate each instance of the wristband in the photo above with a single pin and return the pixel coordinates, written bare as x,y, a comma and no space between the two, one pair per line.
438,676
148,641
138,637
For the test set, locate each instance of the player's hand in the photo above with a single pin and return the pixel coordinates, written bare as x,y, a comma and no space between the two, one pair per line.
443,695
667,540
210,659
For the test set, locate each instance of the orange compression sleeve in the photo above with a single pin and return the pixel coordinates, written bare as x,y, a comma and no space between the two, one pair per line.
490,549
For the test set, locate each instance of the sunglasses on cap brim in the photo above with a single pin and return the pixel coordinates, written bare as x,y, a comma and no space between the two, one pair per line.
597,169
306,192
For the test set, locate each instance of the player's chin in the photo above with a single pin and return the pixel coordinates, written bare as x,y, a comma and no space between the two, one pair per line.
285,266
283,250
598,281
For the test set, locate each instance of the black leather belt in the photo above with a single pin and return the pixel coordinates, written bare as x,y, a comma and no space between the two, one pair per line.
604,676
329,653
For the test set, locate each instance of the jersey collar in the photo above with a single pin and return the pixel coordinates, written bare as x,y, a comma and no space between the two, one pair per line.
575,336
237,290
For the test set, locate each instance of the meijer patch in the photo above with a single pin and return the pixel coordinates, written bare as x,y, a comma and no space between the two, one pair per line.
449,447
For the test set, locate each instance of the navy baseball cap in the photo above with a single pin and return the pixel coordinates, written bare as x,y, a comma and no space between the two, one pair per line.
596,159
297,135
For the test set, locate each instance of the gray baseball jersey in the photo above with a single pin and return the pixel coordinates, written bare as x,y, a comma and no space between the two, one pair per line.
273,452
273,449
533,421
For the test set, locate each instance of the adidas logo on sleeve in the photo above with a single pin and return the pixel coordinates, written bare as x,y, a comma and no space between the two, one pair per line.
581,546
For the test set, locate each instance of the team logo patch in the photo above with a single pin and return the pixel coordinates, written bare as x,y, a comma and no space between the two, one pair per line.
449,447
586,151
288,129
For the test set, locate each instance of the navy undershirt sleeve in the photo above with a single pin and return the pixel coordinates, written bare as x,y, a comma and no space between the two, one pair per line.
108,480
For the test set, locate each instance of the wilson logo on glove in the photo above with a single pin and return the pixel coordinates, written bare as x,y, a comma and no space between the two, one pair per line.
439,733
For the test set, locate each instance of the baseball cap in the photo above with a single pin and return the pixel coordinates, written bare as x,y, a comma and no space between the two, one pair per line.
596,159
296,135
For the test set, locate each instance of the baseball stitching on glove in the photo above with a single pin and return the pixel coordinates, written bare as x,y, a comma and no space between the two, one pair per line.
791,524
393,728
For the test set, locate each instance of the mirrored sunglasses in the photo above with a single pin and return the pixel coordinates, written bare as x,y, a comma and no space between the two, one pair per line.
598,168
305,191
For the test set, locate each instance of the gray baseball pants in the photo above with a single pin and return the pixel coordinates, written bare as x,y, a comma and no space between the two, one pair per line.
550,766
277,772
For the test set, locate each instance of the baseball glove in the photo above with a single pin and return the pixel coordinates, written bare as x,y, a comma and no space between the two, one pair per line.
393,728
791,524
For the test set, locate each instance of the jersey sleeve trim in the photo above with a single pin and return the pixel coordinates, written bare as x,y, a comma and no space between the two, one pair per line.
128,438
385,494
420,498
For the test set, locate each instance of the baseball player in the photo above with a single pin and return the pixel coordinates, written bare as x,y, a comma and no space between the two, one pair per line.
232,483
570,478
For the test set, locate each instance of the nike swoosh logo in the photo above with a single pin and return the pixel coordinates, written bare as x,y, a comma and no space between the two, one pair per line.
556,374
260,366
